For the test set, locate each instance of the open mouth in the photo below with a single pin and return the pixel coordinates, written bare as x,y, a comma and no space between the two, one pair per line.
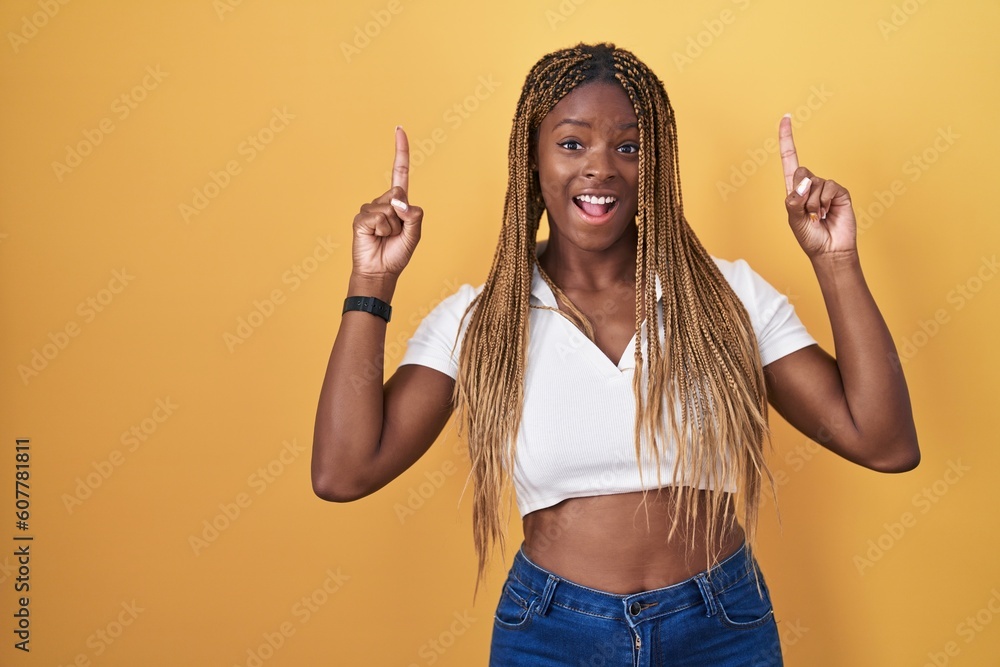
596,209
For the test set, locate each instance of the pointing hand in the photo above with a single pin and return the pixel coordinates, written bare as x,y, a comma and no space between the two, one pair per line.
819,211
387,230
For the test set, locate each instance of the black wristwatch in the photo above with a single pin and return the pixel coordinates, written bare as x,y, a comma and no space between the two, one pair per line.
369,304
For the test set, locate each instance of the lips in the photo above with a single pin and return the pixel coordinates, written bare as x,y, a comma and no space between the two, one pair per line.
596,209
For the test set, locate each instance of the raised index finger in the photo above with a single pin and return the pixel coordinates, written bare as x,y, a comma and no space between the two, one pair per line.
401,165
786,146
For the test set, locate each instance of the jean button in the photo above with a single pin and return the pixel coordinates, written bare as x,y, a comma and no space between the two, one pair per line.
635,608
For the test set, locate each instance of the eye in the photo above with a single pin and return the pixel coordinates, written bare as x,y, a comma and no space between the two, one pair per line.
571,144
629,149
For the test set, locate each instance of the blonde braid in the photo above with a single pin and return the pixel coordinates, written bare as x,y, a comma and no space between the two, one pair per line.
709,377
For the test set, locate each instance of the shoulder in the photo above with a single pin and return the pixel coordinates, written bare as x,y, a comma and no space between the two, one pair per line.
453,306
734,270
779,330
746,282
447,315
436,340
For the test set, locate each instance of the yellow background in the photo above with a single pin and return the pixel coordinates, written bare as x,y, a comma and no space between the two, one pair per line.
871,84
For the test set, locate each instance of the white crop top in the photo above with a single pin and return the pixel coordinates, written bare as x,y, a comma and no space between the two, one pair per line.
577,433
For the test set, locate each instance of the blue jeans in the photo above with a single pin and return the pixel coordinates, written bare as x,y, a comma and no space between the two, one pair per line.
714,618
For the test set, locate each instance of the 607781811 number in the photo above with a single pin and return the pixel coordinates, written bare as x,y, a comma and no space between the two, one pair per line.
22,475
22,513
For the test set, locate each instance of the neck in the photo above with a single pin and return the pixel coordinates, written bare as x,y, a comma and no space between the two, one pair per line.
576,269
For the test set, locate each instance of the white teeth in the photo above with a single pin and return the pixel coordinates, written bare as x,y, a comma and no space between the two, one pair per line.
596,200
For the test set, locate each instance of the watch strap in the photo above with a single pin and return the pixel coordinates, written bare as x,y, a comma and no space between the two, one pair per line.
368,304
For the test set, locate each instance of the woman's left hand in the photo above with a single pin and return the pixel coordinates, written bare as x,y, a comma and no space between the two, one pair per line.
819,210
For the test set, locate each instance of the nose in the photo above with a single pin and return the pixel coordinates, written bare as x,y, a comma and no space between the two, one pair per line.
599,165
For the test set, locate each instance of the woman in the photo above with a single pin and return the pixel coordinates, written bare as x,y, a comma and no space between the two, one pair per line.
540,367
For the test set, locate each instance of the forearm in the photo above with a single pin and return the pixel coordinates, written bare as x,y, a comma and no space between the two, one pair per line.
875,390
349,416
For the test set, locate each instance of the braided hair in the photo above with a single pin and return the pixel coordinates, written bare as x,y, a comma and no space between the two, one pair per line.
707,367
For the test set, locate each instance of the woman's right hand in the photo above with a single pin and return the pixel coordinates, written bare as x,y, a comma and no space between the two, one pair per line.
387,230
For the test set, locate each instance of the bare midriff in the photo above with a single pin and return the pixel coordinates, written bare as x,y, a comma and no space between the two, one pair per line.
603,542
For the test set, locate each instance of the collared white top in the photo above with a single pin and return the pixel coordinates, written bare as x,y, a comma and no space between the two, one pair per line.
577,432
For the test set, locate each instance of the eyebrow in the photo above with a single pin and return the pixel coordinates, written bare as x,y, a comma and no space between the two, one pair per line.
583,123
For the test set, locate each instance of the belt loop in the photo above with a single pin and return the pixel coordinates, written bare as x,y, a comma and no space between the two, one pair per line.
707,593
550,589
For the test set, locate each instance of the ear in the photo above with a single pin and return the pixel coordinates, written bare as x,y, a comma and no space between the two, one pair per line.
533,151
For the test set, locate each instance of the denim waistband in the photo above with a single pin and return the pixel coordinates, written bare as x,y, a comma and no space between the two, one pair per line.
696,590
